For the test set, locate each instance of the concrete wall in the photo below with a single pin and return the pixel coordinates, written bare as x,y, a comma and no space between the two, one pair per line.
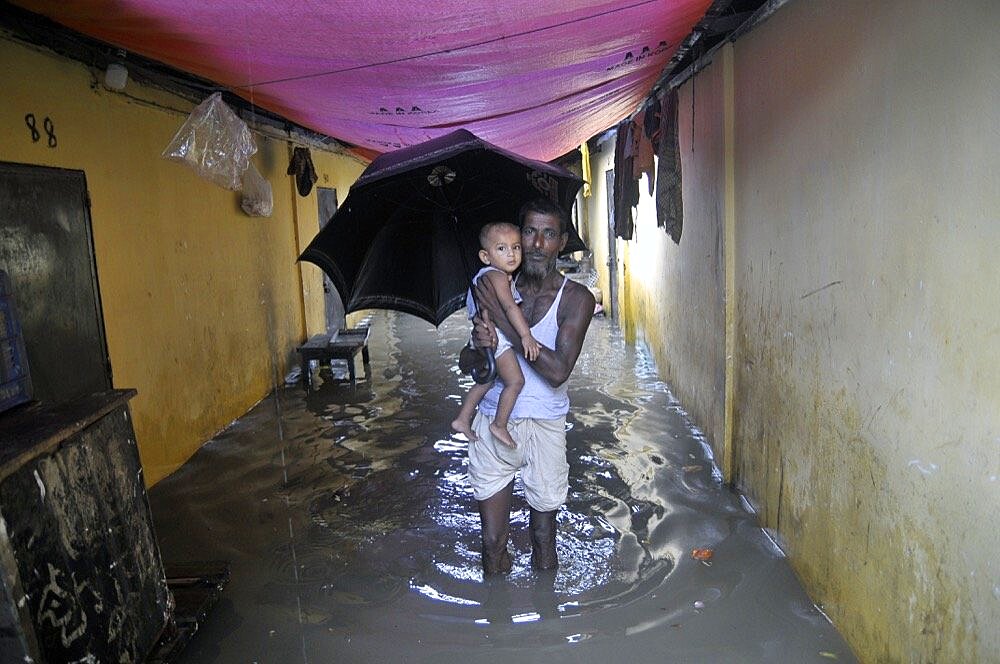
866,326
868,402
203,305
670,295
338,172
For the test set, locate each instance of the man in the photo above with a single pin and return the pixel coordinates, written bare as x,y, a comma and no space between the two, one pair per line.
559,312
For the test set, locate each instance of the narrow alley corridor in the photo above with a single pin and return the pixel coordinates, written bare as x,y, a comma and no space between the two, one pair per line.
353,535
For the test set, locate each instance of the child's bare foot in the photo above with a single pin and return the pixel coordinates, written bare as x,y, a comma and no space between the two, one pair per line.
461,426
501,434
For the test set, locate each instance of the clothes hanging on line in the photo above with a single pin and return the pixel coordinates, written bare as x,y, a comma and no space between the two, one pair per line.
669,196
642,154
626,188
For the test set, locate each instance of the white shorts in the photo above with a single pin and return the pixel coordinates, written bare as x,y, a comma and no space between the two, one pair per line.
540,456
503,344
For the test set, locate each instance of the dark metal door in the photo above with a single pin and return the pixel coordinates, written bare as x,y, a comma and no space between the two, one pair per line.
611,303
46,247
327,199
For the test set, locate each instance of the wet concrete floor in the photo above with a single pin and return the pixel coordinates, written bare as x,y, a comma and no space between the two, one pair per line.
353,536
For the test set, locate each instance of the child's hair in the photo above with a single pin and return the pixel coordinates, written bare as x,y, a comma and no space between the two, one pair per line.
487,230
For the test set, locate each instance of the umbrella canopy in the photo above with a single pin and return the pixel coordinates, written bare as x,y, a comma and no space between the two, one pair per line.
407,236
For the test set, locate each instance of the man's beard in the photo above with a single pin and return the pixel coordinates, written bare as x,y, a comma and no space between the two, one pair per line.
538,269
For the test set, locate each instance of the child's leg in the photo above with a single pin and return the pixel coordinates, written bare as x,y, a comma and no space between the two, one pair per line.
463,423
513,380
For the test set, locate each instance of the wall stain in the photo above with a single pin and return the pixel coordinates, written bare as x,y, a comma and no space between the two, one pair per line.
806,458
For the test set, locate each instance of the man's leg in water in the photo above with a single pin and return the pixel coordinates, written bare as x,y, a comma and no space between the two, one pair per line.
513,380
546,483
543,539
494,516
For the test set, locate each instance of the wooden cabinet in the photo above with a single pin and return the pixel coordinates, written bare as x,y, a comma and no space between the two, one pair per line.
80,569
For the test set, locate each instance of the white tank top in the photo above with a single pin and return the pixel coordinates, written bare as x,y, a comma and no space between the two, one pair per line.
538,399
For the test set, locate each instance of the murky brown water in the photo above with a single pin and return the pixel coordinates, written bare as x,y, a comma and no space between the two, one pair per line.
353,535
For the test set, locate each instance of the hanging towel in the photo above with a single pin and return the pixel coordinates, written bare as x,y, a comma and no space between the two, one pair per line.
626,189
585,164
669,201
651,122
642,154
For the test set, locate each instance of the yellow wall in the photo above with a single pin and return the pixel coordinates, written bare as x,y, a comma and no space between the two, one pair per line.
869,411
867,323
672,296
334,171
203,305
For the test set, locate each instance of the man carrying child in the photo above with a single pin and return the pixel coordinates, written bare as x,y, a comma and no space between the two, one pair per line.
558,312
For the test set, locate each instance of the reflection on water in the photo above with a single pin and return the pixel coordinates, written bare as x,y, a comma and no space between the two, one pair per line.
352,531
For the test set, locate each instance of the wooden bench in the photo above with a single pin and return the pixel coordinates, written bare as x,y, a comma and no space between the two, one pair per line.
345,344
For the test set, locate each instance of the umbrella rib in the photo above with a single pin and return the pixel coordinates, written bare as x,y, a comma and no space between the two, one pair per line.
418,193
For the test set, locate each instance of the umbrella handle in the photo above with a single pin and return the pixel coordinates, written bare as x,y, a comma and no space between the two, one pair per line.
488,376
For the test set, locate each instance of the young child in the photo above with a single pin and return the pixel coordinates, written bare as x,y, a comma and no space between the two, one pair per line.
500,250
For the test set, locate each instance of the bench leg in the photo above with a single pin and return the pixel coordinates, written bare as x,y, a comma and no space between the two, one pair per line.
307,374
367,362
351,370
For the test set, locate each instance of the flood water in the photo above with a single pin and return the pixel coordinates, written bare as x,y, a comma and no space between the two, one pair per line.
353,536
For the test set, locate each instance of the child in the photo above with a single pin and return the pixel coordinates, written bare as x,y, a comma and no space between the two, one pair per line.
501,252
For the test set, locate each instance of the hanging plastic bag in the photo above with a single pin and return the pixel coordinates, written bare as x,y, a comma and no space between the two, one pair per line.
257,201
215,142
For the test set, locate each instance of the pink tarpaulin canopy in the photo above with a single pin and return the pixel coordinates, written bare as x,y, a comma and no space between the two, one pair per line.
537,77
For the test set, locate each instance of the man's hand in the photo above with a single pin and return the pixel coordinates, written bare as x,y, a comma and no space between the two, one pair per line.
484,335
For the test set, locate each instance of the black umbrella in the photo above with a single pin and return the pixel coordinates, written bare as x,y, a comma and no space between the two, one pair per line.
407,235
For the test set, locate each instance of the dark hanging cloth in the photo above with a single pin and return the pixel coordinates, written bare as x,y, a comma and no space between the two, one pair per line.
669,203
626,189
301,166
651,122
642,154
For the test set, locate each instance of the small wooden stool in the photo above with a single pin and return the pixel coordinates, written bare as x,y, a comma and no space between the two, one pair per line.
345,344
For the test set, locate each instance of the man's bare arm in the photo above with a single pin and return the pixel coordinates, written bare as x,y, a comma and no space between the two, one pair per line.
576,310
